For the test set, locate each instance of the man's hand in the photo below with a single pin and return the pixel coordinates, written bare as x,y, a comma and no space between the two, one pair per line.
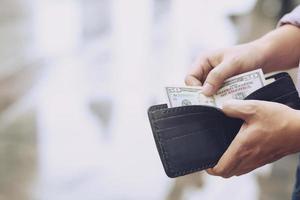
270,131
277,50
213,68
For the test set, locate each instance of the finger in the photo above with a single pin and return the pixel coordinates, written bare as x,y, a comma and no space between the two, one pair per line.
200,69
217,76
229,162
242,109
210,171
192,80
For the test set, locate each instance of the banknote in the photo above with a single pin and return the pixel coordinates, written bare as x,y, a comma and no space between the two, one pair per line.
240,86
184,96
236,87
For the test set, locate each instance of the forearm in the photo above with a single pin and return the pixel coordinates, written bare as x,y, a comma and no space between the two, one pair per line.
280,48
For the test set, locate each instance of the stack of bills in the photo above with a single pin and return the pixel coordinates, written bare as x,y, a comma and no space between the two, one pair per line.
236,87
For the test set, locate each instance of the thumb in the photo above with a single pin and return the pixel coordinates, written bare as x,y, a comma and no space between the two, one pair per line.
242,109
217,76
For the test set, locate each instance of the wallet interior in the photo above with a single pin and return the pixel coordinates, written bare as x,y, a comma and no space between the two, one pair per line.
193,138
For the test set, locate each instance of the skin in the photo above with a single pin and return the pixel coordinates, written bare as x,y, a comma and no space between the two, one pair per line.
270,130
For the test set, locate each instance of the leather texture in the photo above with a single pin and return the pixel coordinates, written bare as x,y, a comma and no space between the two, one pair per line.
193,138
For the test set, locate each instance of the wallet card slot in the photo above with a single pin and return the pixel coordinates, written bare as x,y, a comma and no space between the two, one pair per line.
195,151
186,129
181,116
183,119
187,134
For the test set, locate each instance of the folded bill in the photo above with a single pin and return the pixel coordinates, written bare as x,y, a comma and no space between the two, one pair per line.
236,87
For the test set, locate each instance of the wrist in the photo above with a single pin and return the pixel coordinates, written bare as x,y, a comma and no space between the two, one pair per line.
264,49
280,48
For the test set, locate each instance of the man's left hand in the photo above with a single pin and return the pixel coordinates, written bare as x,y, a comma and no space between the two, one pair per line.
269,132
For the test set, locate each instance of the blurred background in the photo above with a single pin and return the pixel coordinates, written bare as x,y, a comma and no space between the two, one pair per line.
76,79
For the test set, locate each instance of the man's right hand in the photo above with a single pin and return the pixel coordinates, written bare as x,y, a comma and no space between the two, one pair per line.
213,68
277,50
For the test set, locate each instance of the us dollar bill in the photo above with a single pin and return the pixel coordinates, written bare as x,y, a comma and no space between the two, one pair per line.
185,96
240,86
236,87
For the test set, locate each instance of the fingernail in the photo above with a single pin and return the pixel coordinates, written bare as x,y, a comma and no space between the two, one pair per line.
208,89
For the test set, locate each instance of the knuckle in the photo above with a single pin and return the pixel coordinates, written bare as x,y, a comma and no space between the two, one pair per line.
212,61
251,107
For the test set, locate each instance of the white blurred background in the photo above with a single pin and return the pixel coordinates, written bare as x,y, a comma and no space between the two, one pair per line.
77,77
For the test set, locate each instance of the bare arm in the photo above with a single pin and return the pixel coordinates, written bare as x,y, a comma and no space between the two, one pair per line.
282,48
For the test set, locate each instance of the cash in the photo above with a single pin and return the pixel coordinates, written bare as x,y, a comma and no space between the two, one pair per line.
236,87
185,96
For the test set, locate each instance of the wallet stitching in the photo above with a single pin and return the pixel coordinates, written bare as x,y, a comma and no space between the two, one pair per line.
194,108
163,151
187,171
158,107
181,115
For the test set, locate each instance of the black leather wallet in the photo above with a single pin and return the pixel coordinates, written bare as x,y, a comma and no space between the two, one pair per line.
193,138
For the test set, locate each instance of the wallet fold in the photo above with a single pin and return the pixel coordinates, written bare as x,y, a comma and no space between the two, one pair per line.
193,138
